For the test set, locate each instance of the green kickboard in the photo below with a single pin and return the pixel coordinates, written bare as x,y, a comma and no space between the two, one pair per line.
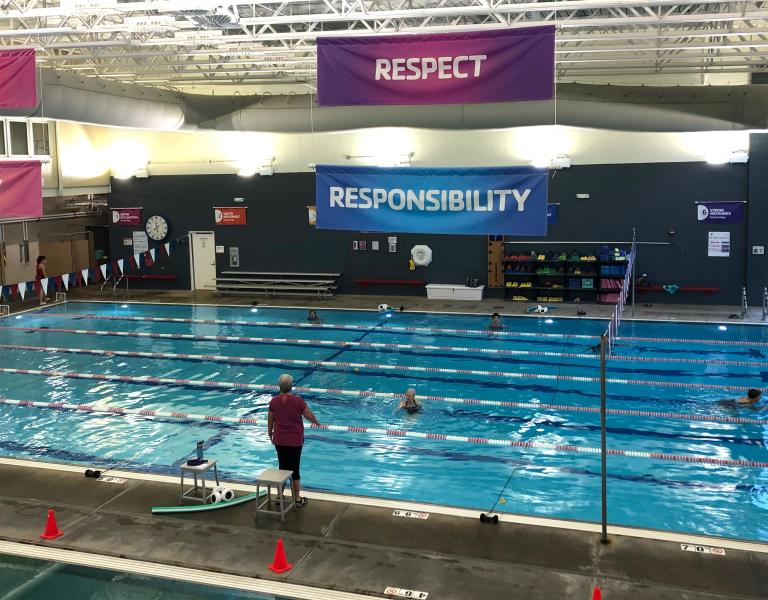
204,507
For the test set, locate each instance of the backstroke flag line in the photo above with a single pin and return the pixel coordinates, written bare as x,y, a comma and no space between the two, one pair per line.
474,201
453,68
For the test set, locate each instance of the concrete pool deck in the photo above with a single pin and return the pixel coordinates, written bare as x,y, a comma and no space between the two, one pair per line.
362,549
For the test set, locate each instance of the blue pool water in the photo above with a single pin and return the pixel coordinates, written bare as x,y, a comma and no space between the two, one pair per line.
726,501
28,579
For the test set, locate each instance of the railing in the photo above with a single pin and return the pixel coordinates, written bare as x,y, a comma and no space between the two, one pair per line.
744,305
5,311
61,297
106,281
117,283
765,303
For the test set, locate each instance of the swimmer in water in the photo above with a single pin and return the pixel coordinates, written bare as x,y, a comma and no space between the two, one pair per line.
312,317
410,404
749,401
496,321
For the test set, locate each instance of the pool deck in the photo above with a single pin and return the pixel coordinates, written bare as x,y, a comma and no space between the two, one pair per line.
351,547
661,312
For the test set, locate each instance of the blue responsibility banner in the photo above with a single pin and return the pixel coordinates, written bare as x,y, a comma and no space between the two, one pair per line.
481,201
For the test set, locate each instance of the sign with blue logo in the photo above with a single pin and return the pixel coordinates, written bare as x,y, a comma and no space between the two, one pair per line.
482,201
720,212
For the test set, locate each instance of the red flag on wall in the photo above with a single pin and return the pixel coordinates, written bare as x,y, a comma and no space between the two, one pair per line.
18,79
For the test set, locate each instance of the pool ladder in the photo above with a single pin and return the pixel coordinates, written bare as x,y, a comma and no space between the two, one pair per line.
744,305
765,303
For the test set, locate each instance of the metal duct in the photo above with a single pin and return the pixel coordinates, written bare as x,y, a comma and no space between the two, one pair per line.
625,108
90,100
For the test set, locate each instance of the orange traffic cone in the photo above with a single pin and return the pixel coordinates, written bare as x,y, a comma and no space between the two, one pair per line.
52,530
280,562
597,594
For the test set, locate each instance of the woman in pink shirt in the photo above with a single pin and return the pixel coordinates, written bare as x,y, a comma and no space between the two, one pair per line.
286,430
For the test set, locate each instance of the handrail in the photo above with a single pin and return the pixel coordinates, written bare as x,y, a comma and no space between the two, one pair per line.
114,287
765,303
106,281
744,305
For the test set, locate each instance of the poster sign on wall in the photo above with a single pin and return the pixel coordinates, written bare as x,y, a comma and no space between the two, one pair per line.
140,241
719,243
720,212
234,215
312,215
503,65
480,201
130,217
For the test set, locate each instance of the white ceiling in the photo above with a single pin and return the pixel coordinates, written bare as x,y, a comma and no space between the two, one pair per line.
204,45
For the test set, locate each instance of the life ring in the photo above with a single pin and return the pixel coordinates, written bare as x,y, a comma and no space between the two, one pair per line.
421,255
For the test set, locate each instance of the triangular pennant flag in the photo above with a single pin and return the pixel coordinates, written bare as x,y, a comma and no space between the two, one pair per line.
44,283
173,247
152,254
22,289
84,275
103,270
167,247
120,265
137,261
65,280
36,286
58,281
4,293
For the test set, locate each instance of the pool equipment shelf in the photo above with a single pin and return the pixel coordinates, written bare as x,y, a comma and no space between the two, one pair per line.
590,280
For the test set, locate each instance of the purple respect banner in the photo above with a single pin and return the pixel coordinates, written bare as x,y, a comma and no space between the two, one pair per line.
720,212
453,68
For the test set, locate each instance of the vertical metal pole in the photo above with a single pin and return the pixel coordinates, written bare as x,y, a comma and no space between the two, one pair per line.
603,462
634,263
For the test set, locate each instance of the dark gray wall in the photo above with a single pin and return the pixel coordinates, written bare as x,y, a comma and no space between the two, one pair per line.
655,198
757,265
278,236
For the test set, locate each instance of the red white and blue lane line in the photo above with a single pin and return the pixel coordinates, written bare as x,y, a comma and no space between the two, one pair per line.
268,388
398,433
378,346
395,328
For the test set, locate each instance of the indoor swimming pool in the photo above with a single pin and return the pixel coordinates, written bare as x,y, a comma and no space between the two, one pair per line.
683,462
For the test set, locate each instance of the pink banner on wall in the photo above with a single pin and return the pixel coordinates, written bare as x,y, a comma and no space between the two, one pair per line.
21,189
18,79
480,66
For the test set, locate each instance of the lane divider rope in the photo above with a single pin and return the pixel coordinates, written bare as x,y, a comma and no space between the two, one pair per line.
400,433
343,327
225,384
626,358
433,330
207,383
266,360
375,345
246,339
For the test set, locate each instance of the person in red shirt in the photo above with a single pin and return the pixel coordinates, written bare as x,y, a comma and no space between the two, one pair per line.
285,427
40,275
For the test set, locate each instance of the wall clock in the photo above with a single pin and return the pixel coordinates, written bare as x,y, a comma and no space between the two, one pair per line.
156,228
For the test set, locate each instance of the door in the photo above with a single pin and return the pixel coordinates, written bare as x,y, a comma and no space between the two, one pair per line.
203,244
